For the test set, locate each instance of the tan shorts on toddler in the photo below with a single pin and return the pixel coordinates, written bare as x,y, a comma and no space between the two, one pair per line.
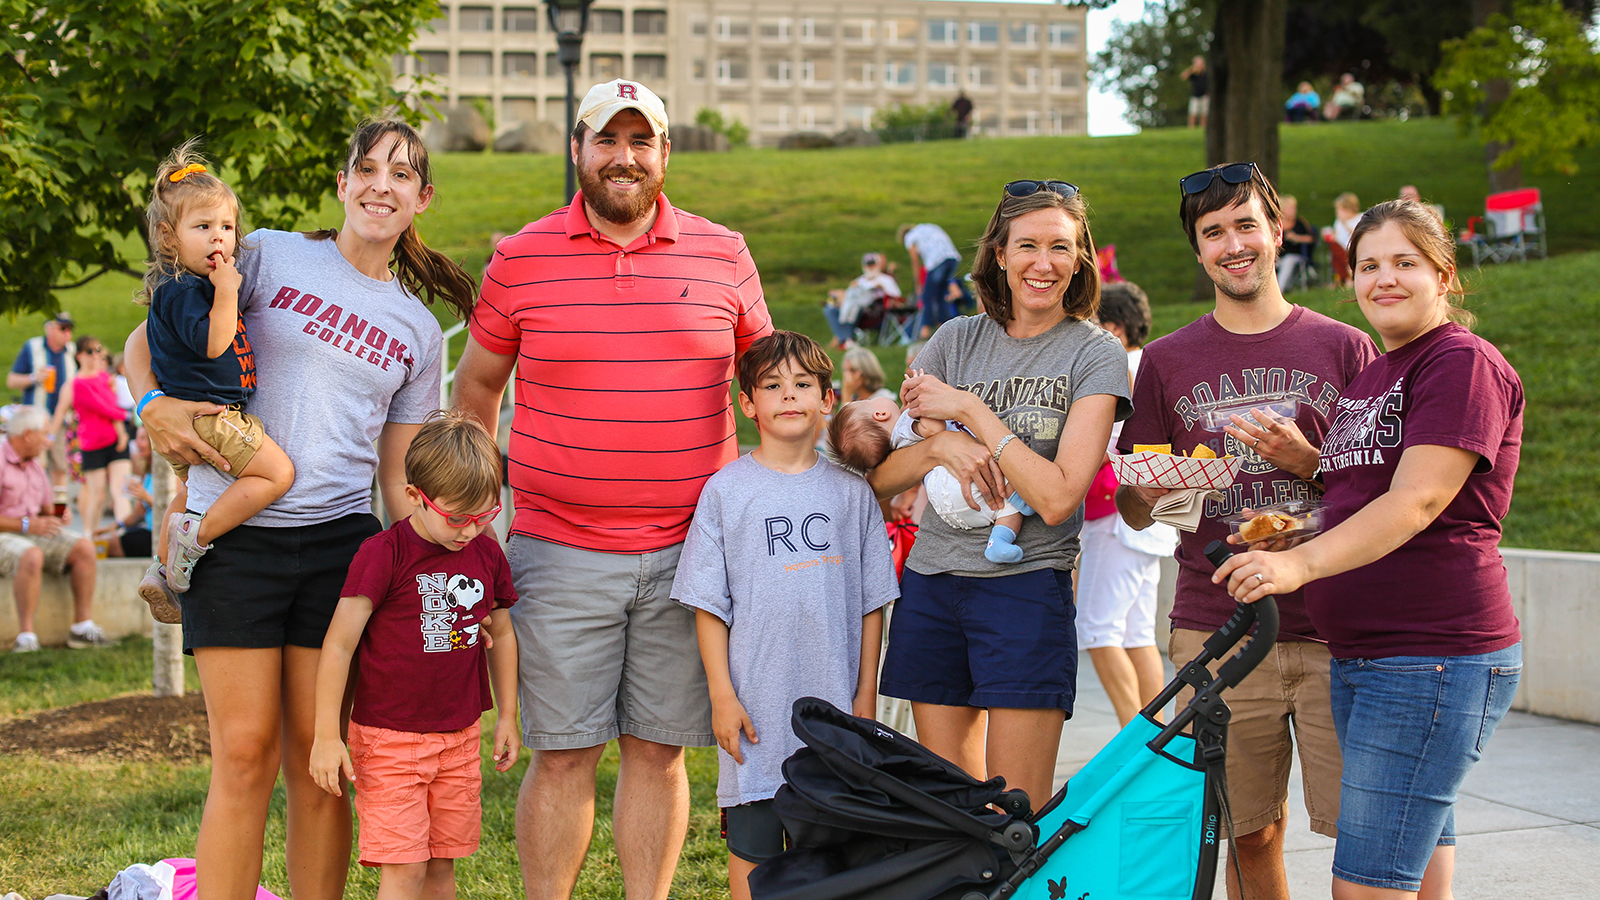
235,434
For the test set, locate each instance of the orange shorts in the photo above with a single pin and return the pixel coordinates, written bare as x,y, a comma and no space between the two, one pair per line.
417,795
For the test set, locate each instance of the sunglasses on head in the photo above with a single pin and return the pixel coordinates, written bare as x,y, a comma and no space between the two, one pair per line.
1236,173
1029,188
460,520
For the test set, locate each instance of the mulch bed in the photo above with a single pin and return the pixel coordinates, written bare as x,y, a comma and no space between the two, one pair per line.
124,728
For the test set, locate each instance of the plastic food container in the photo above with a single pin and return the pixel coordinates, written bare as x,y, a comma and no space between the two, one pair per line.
1219,413
1297,518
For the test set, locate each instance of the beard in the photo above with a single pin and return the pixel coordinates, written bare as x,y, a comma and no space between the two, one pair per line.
1263,274
620,210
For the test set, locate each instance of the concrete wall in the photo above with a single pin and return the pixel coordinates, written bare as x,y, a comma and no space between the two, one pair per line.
1552,594
117,607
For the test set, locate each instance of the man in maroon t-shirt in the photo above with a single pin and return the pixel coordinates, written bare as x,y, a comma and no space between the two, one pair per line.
1255,344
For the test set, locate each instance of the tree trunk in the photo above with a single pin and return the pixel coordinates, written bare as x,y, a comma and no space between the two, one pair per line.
1246,68
1495,92
167,655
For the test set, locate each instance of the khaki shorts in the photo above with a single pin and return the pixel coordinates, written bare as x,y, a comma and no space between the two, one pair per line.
1290,685
56,549
603,649
236,435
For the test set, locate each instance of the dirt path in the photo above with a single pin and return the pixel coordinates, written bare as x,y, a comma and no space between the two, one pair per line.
138,727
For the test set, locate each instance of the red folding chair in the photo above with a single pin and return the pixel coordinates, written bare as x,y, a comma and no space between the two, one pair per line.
1512,227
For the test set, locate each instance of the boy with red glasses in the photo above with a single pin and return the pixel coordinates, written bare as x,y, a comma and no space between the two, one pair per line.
415,608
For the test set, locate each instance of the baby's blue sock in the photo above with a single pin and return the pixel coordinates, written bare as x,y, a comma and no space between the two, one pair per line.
1002,546
1020,505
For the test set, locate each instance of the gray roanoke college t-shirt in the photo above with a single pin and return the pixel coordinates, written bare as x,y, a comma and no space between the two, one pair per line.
337,356
791,563
1031,384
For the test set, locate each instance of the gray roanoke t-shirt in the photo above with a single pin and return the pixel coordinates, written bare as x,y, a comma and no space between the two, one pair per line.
337,355
791,563
1030,383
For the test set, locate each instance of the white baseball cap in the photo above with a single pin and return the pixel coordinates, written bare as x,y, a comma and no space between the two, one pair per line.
606,100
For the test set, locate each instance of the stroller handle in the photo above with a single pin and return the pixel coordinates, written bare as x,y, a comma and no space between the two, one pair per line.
1264,613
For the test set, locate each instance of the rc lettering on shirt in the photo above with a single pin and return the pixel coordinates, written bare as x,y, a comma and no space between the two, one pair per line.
813,532
1025,402
343,331
447,619
1364,429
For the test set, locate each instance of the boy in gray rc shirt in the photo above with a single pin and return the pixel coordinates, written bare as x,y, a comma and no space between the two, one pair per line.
787,567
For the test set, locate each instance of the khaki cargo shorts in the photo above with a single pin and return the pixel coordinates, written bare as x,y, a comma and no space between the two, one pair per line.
235,434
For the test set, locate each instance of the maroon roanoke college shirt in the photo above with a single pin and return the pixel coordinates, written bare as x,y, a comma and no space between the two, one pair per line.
1308,355
423,666
1444,592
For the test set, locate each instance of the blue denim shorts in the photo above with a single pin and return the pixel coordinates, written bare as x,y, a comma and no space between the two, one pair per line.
1410,727
1007,641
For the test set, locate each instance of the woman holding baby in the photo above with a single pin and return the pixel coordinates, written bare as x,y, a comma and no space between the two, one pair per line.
986,651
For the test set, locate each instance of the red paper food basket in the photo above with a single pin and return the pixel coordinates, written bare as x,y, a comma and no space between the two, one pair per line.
1151,469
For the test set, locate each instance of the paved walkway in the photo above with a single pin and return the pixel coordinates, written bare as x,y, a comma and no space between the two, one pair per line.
1528,819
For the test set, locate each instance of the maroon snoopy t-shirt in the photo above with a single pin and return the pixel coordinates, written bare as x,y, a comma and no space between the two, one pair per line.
423,667
1444,592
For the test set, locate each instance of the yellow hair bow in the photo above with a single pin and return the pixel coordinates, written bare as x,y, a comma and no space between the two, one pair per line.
185,172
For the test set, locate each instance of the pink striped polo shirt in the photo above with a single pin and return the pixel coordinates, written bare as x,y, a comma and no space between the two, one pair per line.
624,360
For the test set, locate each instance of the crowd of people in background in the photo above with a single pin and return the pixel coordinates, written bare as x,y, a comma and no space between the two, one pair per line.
640,533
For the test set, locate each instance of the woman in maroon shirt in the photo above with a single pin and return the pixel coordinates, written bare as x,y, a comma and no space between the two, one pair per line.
1408,584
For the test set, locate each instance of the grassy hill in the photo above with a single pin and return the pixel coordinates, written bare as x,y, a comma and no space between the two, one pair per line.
809,215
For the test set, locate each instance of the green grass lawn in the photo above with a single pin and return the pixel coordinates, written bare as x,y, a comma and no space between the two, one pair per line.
808,216
69,825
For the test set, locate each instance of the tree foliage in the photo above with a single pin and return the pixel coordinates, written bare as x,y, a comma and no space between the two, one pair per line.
92,96
737,132
1142,60
1552,70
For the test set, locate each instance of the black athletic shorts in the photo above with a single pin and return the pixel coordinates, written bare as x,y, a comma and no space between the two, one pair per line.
105,456
753,831
271,587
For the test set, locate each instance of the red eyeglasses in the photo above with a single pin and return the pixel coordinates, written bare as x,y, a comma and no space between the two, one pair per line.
460,520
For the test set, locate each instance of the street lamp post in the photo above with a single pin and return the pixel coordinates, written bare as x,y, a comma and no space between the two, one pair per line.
569,19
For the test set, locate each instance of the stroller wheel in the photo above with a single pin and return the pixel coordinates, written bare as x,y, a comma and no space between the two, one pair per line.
1018,836
974,895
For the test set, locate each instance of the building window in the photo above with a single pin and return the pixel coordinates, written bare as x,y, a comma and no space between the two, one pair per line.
519,19
941,75
399,64
649,67
434,62
982,77
699,26
606,21
775,117
733,70
697,70
818,71
519,109
1064,37
731,29
983,34
856,31
650,21
475,18
860,72
812,30
942,31
1023,76
474,65
1063,80
900,31
1023,34
775,29
552,66
900,74
519,65
440,24
605,66
857,116
779,71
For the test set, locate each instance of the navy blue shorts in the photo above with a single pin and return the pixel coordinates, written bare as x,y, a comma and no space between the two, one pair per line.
753,831
1006,641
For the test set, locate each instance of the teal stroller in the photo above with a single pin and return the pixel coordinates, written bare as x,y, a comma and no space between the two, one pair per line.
873,814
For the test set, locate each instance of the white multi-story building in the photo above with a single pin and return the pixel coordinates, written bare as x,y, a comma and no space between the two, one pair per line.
778,66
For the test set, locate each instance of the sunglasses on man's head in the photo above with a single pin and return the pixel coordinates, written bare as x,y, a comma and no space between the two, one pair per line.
1029,188
1236,173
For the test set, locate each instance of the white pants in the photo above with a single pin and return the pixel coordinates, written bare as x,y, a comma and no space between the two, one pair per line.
1116,590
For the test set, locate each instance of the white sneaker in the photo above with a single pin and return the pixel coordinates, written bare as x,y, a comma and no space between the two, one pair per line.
27,642
89,637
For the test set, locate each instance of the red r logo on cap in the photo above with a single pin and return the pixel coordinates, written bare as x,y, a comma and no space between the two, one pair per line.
627,92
